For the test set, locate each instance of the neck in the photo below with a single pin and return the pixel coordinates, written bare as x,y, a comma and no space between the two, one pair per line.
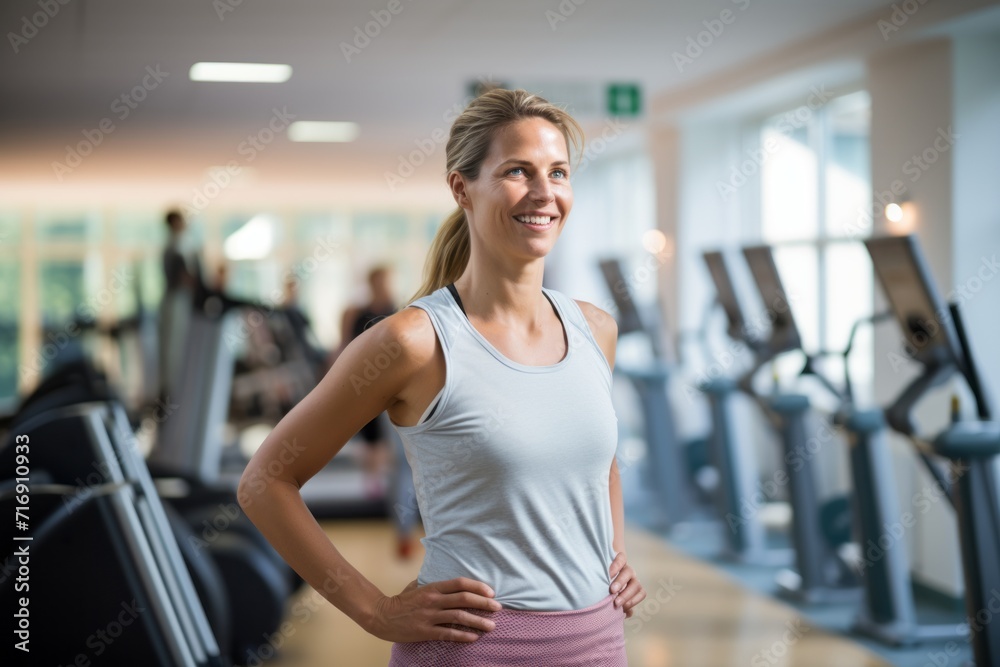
504,291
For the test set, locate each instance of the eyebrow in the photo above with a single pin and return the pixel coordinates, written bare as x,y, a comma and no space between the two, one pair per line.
528,163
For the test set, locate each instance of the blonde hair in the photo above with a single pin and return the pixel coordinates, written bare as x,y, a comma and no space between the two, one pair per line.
468,144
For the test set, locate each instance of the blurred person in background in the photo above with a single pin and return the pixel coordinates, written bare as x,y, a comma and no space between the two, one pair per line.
175,307
354,322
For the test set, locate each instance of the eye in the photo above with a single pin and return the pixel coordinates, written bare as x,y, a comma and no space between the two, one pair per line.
510,172
559,173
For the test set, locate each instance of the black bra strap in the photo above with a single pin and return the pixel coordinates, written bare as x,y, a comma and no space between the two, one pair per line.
458,299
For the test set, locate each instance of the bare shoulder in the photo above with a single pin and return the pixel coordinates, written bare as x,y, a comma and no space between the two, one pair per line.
408,334
603,326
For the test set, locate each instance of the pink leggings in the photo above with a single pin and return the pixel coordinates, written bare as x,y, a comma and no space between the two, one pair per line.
591,637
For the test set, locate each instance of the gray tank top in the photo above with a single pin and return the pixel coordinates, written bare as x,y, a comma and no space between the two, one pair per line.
511,466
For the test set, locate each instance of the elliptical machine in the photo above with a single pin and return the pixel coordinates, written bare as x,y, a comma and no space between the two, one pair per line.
820,574
935,338
670,457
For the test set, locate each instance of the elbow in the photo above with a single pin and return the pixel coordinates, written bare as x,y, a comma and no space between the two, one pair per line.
249,490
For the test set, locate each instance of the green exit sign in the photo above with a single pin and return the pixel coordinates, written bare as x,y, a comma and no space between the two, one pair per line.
624,99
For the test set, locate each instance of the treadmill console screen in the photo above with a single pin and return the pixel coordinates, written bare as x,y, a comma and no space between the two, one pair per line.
628,315
909,286
784,334
724,288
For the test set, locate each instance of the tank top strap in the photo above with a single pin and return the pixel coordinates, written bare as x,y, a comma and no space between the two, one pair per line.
578,326
446,316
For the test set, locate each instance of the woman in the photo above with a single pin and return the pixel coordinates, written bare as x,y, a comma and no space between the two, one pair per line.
500,390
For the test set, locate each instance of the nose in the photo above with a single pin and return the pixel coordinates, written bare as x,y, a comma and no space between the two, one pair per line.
540,190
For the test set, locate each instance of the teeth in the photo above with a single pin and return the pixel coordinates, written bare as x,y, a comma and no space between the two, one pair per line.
534,219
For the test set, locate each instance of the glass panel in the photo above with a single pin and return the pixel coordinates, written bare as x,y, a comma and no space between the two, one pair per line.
313,228
789,198
10,294
431,224
68,226
61,288
62,291
848,168
10,227
848,298
372,228
325,291
140,228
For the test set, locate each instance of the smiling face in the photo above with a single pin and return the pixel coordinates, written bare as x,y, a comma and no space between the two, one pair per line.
518,204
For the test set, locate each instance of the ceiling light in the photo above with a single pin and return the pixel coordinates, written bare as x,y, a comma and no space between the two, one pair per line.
315,130
243,72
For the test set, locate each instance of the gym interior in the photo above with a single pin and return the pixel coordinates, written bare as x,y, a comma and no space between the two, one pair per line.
790,208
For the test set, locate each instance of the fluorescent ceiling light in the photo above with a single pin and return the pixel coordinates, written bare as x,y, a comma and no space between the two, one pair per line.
244,72
254,240
316,130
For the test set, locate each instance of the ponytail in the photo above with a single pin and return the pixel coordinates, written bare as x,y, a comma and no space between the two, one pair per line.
448,256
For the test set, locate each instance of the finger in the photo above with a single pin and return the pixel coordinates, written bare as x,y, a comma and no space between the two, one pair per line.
460,584
617,564
629,592
443,633
467,600
466,618
621,581
634,600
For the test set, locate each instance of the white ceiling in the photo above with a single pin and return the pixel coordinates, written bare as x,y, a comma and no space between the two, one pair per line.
398,88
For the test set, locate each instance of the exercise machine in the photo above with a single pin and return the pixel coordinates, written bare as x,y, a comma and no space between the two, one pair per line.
671,469
731,452
820,574
94,501
935,338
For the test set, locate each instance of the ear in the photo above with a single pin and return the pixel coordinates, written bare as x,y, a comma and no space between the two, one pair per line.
457,183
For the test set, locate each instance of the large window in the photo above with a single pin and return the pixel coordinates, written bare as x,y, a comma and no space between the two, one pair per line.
814,183
61,265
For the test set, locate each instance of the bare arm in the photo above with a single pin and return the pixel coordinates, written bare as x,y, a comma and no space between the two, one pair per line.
605,330
625,584
304,442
